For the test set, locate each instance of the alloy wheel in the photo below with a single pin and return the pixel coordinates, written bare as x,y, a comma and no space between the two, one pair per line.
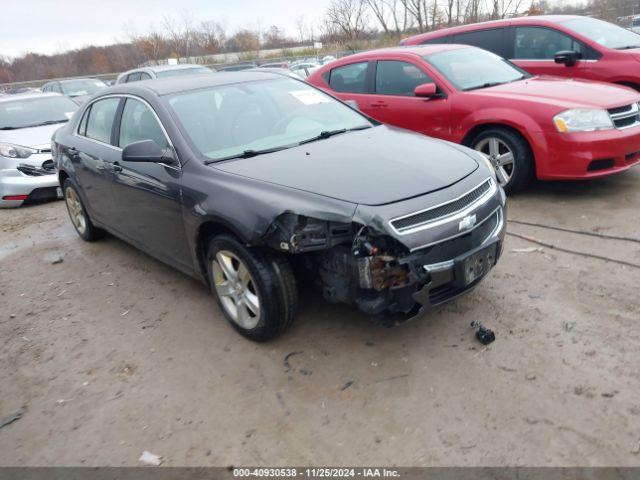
500,156
236,289
75,210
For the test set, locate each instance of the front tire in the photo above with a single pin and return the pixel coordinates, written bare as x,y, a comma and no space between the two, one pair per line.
510,156
256,290
78,214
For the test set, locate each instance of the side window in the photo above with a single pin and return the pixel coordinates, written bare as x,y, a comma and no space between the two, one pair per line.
437,41
55,87
539,43
144,76
133,77
398,78
82,128
100,119
492,40
139,123
46,88
349,78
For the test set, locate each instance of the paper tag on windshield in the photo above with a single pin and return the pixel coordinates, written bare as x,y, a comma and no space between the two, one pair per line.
68,114
309,97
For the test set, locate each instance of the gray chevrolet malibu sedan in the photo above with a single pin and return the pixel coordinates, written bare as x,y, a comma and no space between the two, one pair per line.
242,179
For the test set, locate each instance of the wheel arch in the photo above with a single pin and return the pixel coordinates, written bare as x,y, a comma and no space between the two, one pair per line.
629,84
208,229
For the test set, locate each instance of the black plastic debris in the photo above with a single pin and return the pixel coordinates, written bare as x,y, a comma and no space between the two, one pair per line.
484,335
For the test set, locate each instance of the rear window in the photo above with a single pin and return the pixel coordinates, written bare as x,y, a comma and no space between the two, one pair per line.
349,78
492,40
100,119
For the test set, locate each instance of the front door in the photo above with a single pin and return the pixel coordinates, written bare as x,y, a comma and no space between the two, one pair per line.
393,101
147,196
534,49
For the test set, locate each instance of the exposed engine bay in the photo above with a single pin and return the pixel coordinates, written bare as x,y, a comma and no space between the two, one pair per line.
356,265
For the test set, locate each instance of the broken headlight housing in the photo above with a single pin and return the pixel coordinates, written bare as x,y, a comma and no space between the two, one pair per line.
9,150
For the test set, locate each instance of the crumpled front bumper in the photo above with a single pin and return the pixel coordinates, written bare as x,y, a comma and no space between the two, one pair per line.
450,278
14,183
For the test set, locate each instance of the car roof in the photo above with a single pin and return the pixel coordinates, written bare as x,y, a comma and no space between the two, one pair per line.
66,80
164,86
26,96
417,50
540,19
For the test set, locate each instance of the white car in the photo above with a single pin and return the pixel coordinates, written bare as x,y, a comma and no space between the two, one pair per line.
27,122
160,71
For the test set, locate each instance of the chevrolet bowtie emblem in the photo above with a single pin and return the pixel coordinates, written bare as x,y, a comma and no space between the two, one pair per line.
467,222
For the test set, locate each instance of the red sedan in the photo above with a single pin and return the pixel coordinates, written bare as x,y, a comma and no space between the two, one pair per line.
527,126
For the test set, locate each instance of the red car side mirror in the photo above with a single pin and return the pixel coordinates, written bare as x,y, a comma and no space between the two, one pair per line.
426,90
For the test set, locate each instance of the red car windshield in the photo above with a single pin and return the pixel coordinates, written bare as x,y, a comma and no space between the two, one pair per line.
604,33
473,68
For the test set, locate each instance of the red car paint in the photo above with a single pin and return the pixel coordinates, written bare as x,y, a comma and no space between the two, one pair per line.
526,106
599,62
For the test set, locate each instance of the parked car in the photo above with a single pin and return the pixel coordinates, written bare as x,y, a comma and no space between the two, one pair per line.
527,126
160,71
27,122
304,69
233,178
239,67
562,45
77,89
274,65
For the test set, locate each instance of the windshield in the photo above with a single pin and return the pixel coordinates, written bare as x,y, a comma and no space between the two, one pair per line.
32,112
182,71
604,33
471,68
230,120
88,86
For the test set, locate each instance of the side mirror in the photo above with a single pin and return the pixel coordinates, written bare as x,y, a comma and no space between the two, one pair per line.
426,90
147,151
353,104
568,57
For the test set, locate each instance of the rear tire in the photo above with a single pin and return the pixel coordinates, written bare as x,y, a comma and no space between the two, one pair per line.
255,289
78,214
510,155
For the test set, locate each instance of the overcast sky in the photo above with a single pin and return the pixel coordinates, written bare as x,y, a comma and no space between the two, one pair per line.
50,26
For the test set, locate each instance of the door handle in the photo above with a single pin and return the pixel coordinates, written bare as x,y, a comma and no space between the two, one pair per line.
116,167
379,105
72,150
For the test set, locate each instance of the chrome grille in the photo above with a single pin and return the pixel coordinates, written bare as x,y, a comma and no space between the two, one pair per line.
626,116
425,217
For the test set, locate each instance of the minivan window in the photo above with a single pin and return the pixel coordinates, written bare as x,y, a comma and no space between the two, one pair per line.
491,39
247,118
139,123
604,33
100,119
540,43
394,77
472,68
349,78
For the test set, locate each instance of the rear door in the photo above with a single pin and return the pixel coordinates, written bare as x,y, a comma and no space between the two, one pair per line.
393,101
94,154
491,39
534,48
148,195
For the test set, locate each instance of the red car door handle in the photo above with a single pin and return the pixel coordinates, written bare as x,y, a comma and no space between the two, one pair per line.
379,105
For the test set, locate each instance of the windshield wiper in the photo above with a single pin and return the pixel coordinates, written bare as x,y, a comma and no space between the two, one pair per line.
330,133
628,47
249,153
484,85
48,122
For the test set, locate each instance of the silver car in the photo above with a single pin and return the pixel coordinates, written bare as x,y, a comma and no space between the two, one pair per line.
160,71
27,122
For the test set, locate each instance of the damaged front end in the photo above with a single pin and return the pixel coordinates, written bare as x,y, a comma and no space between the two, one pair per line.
363,266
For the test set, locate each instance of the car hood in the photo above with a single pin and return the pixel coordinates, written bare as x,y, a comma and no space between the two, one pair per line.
375,166
564,93
34,137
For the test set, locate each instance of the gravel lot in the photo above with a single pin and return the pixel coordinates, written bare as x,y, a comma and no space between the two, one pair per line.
110,353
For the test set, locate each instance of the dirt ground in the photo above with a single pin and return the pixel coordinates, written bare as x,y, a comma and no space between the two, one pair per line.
110,353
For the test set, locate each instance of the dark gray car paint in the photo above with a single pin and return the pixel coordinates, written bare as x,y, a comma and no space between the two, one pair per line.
218,195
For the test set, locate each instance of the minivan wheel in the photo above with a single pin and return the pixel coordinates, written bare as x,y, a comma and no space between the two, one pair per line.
78,214
510,156
255,289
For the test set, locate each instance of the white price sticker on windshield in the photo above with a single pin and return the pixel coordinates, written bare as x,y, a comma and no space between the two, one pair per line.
309,97
68,114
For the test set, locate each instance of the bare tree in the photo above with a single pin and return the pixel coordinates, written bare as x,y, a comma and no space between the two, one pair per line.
349,16
379,9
